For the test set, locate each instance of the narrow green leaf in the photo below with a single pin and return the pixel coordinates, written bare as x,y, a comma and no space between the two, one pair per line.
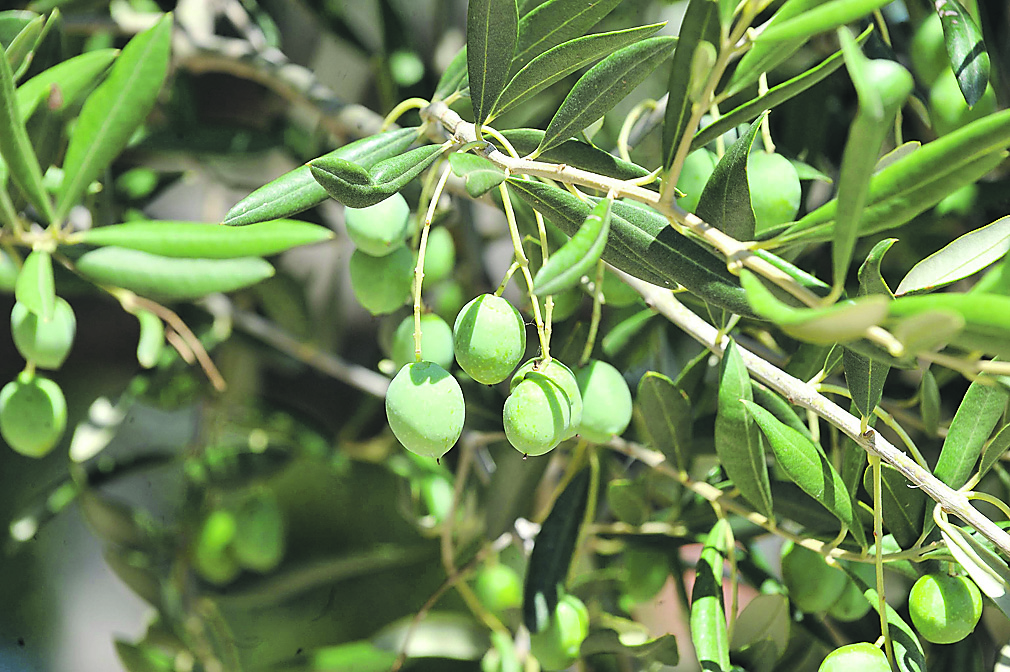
564,59
35,287
297,190
667,414
143,658
360,656
737,438
986,317
965,256
552,553
778,407
870,279
556,22
908,652
642,243
454,78
902,506
708,615
995,449
74,77
843,322
578,256
701,23
481,175
926,331
982,407
491,30
152,338
21,47
989,571
115,110
803,278
16,147
170,278
929,403
356,187
807,466
725,200
576,154
865,378
764,622
819,19
605,85
625,332
208,241
965,49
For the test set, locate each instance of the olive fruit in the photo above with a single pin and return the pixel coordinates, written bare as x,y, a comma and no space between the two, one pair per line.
379,229
606,401
646,572
557,646
499,588
446,299
33,415
927,50
424,407
853,605
944,609
259,532
489,338
813,585
212,558
537,415
861,657
774,189
381,284
436,341
46,344
698,167
564,378
439,254
948,109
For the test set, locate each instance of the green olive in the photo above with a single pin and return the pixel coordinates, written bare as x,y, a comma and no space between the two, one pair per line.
861,657
557,646
212,558
537,415
499,588
33,415
436,341
948,109
382,284
646,572
439,255
489,338
606,401
424,408
774,189
927,50
944,609
698,167
259,532
564,378
46,344
379,229
814,586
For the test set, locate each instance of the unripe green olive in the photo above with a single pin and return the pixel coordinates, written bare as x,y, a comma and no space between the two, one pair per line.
137,183
46,344
33,415
853,605
948,109
212,558
698,167
381,284
774,189
379,229
537,415
499,588
606,401
557,646
944,609
447,299
646,572
424,407
436,341
259,532
813,585
617,293
489,338
564,378
927,50
861,657
439,255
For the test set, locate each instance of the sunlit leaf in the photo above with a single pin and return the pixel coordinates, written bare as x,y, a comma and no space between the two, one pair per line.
491,30
966,255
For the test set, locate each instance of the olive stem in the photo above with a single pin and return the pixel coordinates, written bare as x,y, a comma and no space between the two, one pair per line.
419,268
399,110
878,565
524,264
594,323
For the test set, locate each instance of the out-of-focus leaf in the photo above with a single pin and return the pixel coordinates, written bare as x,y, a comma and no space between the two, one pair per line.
21,47
761,634
454,78
965,49
152,338
737,438
360,656
113,522
925,331
605,85
115,110
627,501
662,649
819,19
667,414
725,201
492,27
976,417
901,505
708,615
966,255
929,403
552,553
622,333
143,658
481,175
556,22
578,256
986,317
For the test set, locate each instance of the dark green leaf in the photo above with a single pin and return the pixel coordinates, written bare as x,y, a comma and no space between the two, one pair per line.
35,287
902,506
575,153
556,22
552,553
700,24
603,86
725,201
481,175
982,407
170,278
819,19
74,77
778,407
666,411
296,190
578,256
143,658
995,449
627,501
965,49
114,522
967,255
564,59
454,78
624,332
662,649
208,241
870,279
763,622
708,614
115,110
737,438
355,187
491,30
908,652
865,378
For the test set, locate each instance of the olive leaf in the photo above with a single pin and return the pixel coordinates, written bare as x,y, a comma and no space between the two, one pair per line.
995,450
454,78
627,501
662,649
965,256
578,256
666,412
982,407
624,332
871,281
35,286
986,320
725,201
965,49
492,27
151,342
73,76
929,403
481,175
355,187
576,154
708,615
556,22
989,571
819,19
